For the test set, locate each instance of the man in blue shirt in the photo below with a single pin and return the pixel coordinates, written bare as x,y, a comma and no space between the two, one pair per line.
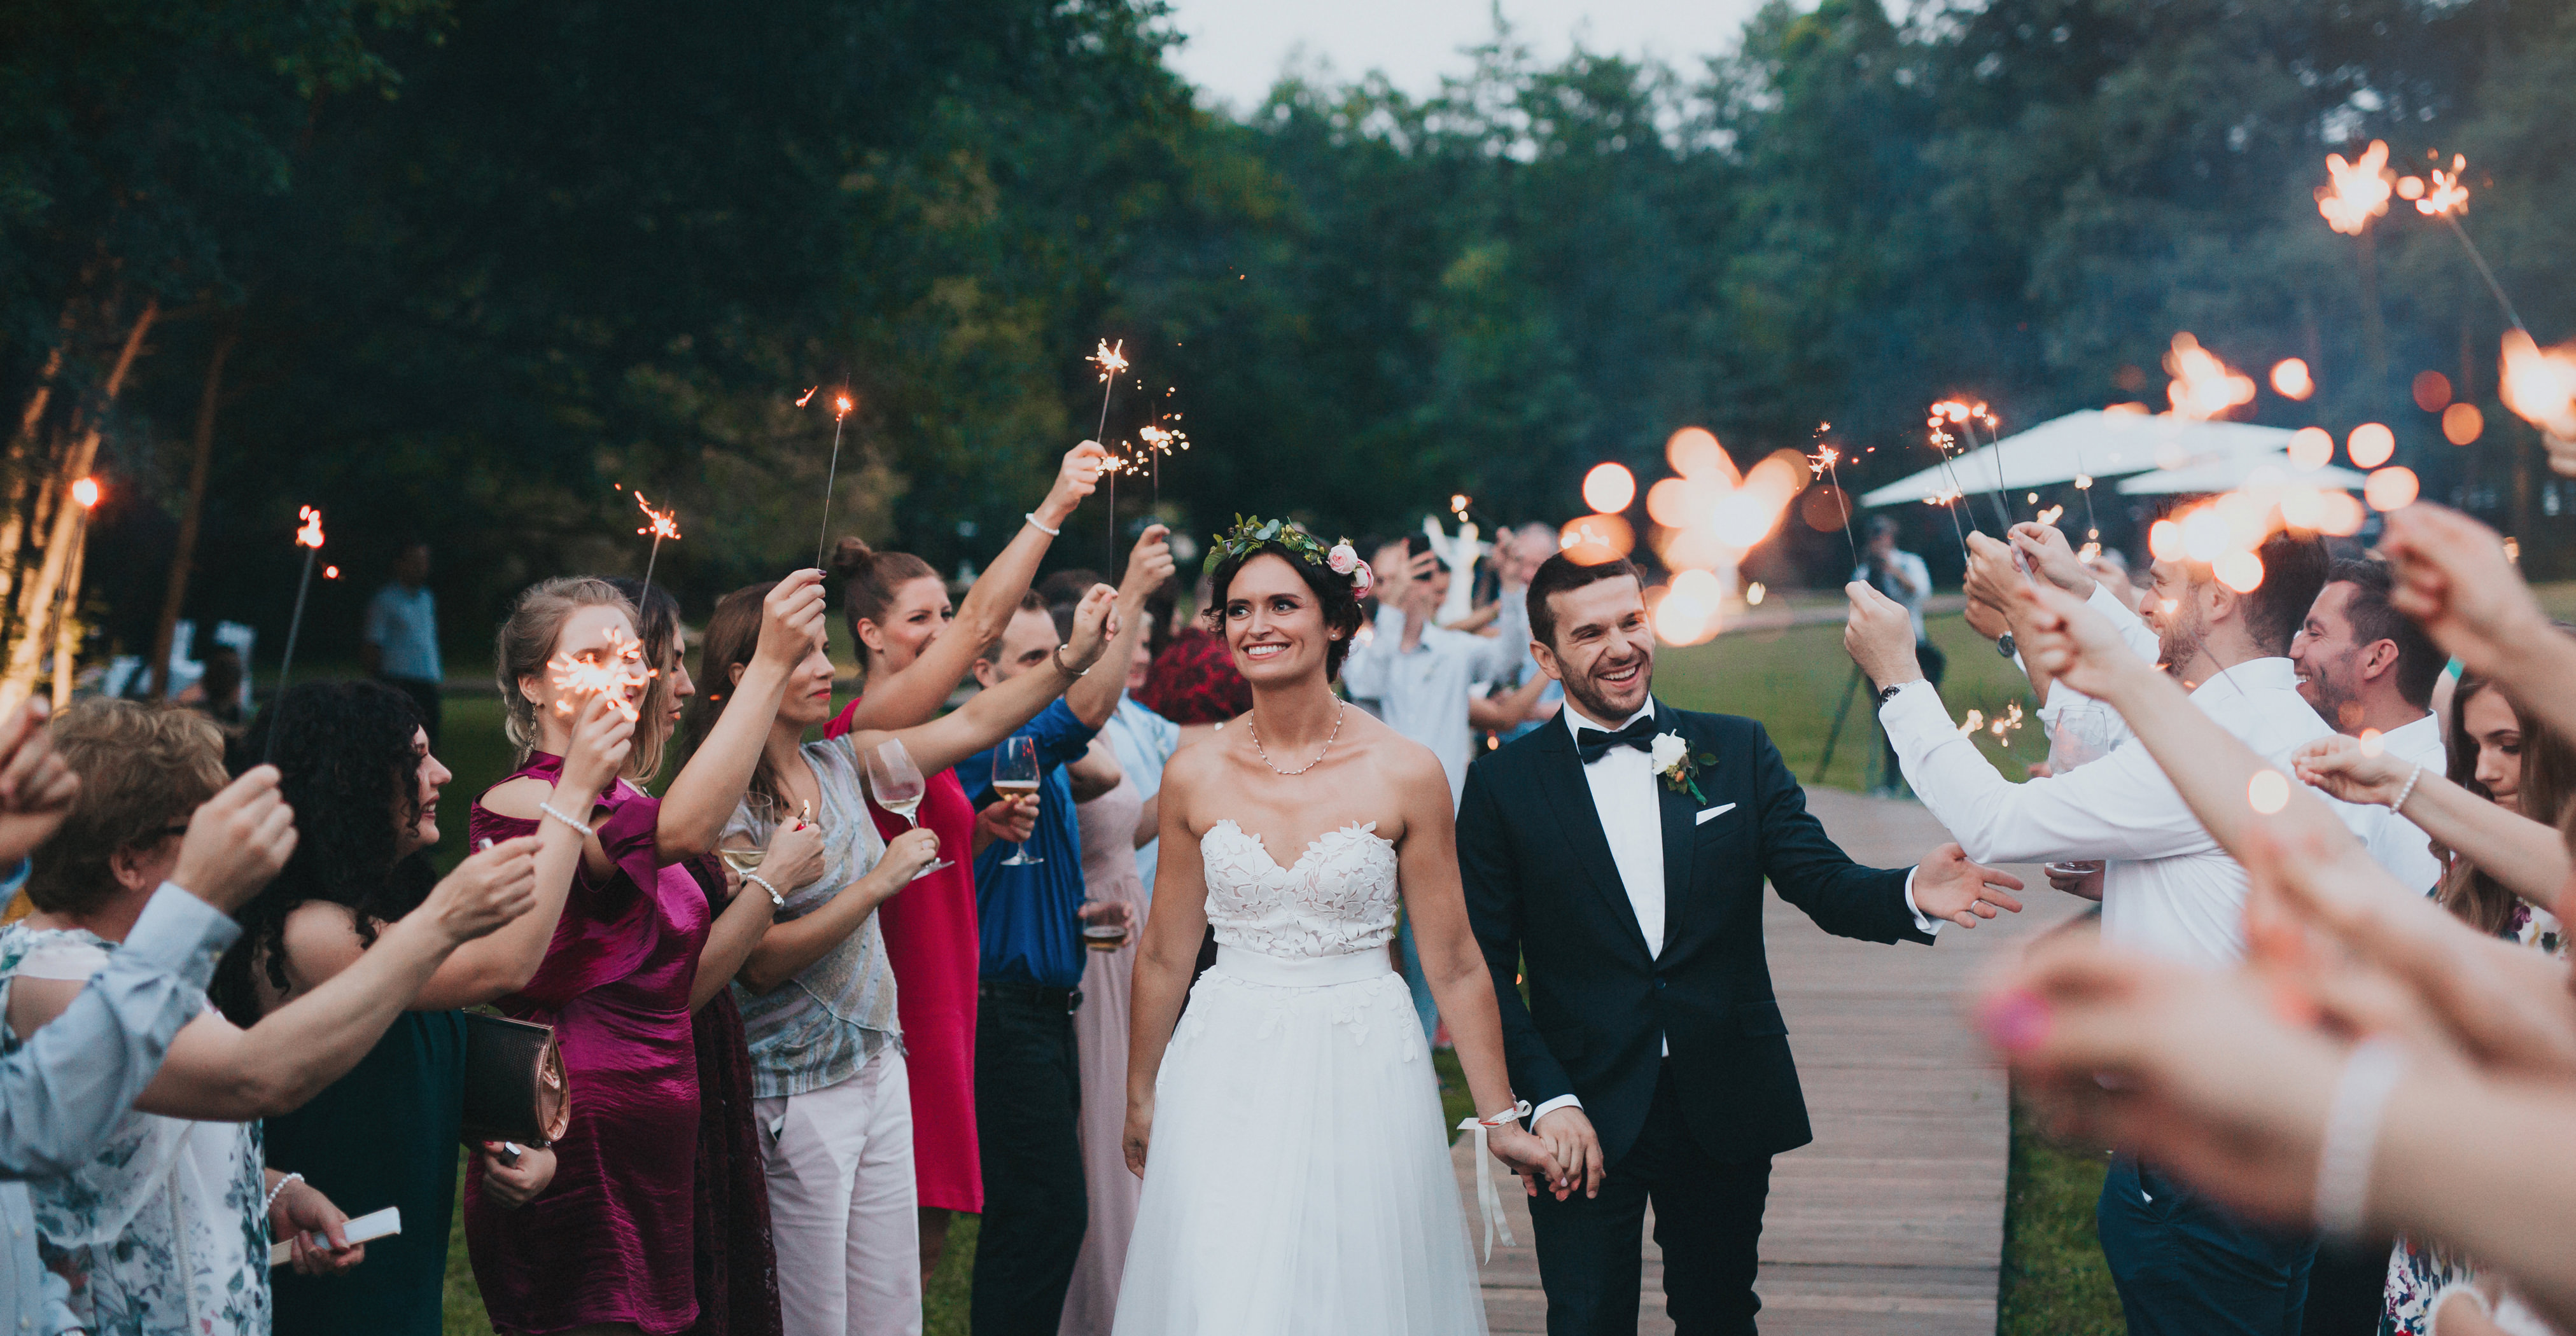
1028,1092
401,642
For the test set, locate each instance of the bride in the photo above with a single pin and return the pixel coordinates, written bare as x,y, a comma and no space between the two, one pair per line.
1299,1177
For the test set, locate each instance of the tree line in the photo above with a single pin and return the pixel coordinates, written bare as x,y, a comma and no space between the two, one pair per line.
457,269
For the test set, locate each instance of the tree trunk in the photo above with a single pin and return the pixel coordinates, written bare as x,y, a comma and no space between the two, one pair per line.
200,465
36,598
67,615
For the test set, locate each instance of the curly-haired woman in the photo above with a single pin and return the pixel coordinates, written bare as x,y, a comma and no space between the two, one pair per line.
353,760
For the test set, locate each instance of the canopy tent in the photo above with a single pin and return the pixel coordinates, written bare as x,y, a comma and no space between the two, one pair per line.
2233,471
2089,441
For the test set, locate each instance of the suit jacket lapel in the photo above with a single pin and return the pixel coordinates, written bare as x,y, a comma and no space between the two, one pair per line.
1681,831
1569,796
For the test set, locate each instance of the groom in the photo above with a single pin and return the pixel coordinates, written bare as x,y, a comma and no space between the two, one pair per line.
1616,858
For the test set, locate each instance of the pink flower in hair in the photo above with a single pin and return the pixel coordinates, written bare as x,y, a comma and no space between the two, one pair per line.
1363,580
1344,558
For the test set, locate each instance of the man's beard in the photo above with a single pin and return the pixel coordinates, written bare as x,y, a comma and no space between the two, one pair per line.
1589,700
2179,641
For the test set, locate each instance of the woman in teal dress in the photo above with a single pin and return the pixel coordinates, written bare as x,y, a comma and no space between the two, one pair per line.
355,765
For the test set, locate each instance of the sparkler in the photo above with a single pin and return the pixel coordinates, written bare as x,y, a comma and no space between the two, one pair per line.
1160,440
308,536
660,524
2355,193
841,406
1824,462
2447,199
1955,411
614,669
1111,361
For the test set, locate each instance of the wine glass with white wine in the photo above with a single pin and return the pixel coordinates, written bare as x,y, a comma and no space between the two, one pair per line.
1015,775
744,858
897,785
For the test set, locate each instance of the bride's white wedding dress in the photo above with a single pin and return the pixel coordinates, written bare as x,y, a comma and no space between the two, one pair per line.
1298,1180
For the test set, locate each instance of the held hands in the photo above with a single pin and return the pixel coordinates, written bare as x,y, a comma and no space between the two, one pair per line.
907,854
299,1211
1075,478
513,1186
485,891
236,841
2453,579
1576,1149
791,621
36,788
602,737
2335,764
1095,619
1949,887
1149,564
1880,637
1533,1158
795,855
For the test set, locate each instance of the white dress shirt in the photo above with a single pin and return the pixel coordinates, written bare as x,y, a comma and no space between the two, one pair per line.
2169,888
1422,692
2398,844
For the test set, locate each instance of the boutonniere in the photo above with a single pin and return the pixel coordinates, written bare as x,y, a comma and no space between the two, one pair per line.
1672,760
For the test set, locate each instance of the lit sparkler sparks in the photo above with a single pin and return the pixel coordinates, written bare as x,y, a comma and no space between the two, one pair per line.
660,524
2002,726
615,669
2447,199
841,406
1111,359
2203,387
1160,440
1822,463
2357,191
806,397
2540,384
308,535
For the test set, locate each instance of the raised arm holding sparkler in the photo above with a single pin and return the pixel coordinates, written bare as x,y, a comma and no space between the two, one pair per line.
915,691
702,796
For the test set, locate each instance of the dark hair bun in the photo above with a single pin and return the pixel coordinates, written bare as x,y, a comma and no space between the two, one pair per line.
850,557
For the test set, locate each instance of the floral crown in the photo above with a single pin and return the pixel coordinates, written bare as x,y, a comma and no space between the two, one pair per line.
1251,535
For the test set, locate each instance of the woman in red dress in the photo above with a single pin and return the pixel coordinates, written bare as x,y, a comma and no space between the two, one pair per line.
914,649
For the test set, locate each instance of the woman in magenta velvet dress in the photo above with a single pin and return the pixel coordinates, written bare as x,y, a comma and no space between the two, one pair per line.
915,649
609,1246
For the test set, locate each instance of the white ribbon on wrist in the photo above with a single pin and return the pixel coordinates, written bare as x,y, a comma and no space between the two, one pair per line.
2351,1137
1489,1204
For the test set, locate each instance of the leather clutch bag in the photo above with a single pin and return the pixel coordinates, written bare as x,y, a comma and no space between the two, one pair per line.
514,1082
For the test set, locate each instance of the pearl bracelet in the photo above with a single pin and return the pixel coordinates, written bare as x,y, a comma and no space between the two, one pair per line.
266,1206
2408,791
1041,525
774,897
551,810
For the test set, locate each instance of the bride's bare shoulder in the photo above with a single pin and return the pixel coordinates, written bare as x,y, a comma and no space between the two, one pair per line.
1399,758
1199,762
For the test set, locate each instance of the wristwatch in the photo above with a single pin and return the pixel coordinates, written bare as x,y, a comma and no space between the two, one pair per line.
1886,694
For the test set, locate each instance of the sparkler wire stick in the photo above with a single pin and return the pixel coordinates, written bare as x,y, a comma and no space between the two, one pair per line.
308,537
2483,272
822,533
1843,498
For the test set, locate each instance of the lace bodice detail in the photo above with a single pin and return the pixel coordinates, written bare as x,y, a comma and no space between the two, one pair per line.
1339,897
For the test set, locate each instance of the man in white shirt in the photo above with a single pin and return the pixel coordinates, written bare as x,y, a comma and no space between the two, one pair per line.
1422,674
2367,670
1616,863
2181,1265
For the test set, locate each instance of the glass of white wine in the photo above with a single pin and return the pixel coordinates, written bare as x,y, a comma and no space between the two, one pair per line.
1015,775
897,786
745,858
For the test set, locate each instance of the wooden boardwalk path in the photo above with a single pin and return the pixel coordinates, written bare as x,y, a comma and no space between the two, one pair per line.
1893,1219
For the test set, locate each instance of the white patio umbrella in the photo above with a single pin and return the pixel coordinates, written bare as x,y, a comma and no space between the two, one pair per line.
2089,441
2230,472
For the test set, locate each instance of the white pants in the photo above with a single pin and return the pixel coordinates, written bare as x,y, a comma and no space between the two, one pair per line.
841,1204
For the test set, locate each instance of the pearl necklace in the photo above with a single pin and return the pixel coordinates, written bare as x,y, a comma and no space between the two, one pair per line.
1339,708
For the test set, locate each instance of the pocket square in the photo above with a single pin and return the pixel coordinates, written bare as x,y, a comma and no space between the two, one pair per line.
1720,810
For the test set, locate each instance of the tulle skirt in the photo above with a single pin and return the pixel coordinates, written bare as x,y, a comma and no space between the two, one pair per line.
1298,1182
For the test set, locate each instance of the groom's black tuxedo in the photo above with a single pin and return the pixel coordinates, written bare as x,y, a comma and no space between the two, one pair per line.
1547,901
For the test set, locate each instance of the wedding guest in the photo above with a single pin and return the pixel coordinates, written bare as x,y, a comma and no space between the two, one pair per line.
353,761
1143,741
399,645
1028,1095
818,992
166,1228
2180,1263
912,655
1194,680
1902,576
612,1242
64,1089
735,1263
1112,823
2367,669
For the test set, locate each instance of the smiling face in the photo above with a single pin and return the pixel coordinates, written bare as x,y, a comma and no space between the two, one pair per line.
423,831
1602,648
1274,623
919,612
2175,609
2329,659
2489,721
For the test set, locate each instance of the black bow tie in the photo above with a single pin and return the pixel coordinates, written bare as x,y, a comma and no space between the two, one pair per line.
1592,744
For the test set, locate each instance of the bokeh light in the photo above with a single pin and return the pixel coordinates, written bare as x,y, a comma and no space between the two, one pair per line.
2239,570
1694,453
2432,391
2370,445
2339,515
2311,448
1823,508
2268,791
2463,423
1609,488
2290,379
1593,539
2164,541
1668,503
2391,488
